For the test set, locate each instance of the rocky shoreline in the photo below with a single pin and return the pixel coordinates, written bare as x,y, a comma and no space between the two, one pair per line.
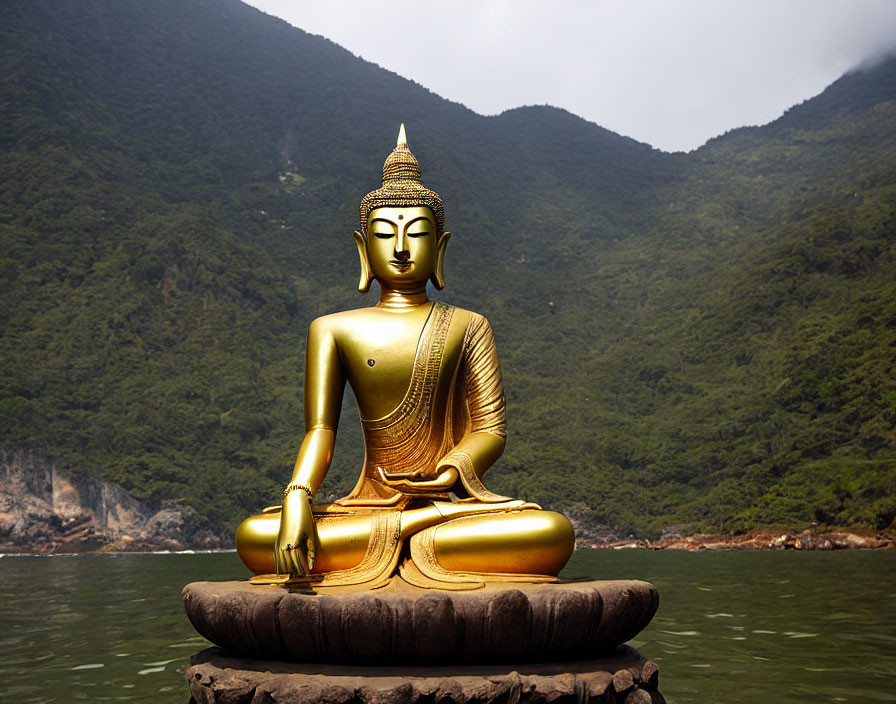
759,540
44,510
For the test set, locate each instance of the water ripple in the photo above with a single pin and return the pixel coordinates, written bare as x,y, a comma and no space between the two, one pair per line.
759,637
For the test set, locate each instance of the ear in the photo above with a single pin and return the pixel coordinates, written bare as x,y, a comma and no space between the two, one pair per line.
438,275
366,273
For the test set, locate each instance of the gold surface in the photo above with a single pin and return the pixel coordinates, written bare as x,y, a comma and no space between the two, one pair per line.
428,384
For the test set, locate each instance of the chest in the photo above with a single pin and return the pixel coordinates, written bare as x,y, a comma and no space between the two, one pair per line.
378,355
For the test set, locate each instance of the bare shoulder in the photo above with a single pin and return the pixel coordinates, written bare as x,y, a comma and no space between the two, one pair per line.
336,324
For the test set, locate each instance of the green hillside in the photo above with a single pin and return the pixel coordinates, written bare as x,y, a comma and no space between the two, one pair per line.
704,341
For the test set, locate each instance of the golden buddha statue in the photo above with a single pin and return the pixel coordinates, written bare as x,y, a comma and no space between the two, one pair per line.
428,385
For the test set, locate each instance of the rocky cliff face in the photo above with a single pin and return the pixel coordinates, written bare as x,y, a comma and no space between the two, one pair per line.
45,509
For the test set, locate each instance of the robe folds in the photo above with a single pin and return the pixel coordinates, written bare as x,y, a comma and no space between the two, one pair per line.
455,389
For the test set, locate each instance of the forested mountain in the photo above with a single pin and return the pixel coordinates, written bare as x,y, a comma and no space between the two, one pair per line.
701,340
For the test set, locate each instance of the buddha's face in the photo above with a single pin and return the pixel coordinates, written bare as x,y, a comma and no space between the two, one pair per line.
402,249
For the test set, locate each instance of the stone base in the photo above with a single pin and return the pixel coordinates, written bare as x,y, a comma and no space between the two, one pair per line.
621,678
405,624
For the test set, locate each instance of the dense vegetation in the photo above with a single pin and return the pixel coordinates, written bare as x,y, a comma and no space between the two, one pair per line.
704,341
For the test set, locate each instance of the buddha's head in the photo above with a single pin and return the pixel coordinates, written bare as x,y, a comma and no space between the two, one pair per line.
402,240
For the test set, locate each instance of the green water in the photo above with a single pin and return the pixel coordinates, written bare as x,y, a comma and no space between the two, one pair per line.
732,626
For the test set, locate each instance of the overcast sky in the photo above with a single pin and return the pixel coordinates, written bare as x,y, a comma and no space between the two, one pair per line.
670,73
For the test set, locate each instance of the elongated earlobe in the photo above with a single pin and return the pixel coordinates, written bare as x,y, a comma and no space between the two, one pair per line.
438,275
366,273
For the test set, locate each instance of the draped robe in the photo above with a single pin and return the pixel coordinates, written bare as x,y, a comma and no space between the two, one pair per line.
455,389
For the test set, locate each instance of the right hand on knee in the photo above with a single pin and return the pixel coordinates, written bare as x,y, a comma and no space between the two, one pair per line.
297,542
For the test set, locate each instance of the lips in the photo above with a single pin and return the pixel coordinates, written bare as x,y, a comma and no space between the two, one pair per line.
401,264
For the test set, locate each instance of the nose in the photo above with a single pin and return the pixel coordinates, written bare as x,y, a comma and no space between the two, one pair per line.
401,245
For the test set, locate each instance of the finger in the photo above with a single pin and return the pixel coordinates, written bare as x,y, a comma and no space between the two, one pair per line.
309,551
285,567
301,561
278,563
295,567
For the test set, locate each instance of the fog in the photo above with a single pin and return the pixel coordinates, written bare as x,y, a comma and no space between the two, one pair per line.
672,74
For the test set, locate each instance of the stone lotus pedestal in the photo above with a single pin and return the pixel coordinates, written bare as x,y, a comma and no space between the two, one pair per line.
505,642
624,677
